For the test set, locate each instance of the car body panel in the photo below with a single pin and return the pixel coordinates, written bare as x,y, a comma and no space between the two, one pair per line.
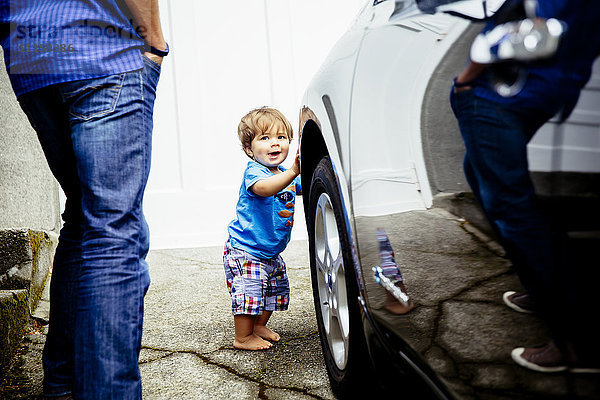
379,108
575,144
396,61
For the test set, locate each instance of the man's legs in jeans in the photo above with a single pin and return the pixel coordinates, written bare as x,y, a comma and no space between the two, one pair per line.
96,135
497,170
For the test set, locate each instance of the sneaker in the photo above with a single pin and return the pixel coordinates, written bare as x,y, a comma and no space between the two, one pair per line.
520,302
546,358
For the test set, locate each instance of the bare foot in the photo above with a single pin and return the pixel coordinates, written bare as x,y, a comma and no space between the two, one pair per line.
394,306
251,342
266,333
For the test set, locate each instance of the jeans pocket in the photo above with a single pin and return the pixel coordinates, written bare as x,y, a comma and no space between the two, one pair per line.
451,98
93,98
457,99
156,66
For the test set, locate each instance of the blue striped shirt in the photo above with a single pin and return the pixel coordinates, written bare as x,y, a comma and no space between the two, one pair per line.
52,41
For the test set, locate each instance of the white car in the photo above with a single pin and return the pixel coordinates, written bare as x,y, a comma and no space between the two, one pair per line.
381,155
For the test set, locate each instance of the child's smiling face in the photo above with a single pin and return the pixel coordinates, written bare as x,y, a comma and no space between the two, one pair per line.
271,147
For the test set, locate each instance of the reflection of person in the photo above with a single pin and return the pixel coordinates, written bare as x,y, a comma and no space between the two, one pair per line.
90,99
495,131
255,271
390,269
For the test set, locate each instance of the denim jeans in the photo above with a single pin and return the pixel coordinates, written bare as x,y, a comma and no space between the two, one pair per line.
496,169
96,135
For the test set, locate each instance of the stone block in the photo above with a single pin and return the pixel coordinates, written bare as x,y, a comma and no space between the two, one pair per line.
29,194
25,260
14,315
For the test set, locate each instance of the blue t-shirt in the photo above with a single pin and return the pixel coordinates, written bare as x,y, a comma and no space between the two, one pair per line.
48,41
555,84
264,224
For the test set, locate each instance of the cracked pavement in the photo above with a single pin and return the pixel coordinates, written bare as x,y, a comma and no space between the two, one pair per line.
187,350
187,347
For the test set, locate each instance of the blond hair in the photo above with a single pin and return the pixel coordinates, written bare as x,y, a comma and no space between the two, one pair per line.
259,121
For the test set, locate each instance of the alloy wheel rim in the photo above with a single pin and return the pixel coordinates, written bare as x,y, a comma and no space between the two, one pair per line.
331,279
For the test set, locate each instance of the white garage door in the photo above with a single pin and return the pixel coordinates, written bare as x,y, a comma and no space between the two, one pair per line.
227,57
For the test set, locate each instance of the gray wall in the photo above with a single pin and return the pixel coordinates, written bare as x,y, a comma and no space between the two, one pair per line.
29,221
28,192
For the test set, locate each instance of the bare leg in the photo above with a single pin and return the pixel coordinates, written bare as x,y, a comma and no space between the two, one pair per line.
245,338
261,329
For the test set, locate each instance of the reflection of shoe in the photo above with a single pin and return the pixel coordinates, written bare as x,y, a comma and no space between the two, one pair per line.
63,397
520,302
546,358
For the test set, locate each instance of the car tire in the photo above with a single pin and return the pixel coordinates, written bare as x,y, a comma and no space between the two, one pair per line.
335,288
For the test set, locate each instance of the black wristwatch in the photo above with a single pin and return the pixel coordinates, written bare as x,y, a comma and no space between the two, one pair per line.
155,51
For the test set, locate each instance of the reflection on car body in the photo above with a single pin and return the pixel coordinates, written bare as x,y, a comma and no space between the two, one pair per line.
381,154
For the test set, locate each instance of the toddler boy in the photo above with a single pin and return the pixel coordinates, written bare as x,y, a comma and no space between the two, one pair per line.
255,272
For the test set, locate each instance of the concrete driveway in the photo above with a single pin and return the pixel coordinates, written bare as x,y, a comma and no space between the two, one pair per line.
187,350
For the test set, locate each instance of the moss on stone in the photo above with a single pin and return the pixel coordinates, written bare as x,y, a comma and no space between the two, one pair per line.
14,315
37,239
31,251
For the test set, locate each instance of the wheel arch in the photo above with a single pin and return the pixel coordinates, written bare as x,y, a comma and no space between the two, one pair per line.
312,149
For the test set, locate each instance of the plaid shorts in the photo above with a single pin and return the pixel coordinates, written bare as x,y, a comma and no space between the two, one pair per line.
255,284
